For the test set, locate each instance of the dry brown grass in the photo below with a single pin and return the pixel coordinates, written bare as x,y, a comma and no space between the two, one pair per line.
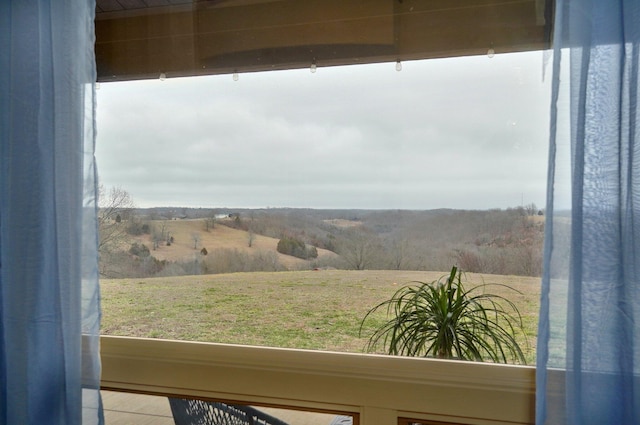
220,236
319,310
340,222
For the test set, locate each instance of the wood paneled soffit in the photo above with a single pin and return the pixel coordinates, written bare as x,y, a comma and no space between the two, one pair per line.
138,39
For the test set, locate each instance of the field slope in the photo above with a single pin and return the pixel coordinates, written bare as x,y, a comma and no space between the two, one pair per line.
319,310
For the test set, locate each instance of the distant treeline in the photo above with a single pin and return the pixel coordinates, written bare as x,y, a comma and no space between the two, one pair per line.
496,241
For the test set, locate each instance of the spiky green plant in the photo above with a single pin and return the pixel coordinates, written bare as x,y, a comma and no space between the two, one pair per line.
444,319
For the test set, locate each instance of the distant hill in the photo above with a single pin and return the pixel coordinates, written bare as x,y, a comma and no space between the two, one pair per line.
492,241
190,236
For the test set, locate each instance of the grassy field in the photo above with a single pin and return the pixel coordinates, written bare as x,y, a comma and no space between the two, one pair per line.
320,310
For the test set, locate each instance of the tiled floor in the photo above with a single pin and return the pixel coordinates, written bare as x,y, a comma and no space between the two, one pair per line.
138,409
135,409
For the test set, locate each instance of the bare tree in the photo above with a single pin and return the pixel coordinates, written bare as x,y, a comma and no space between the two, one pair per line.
210,222
250,238
359,248
157,238
398,252
195,237
113,204
531,209
160,234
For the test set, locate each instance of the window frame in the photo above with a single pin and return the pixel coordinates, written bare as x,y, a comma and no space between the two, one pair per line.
378,389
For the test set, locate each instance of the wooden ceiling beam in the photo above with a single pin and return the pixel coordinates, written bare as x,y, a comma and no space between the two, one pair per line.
216,37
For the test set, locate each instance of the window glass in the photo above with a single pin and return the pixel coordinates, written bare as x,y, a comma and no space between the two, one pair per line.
141,409
278,208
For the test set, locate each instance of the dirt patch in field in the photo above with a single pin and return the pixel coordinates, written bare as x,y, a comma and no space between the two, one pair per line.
339,222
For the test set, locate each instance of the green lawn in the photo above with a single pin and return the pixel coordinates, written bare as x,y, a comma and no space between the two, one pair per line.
319,310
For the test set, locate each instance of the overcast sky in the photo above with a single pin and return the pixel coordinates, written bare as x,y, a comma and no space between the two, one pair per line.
452,133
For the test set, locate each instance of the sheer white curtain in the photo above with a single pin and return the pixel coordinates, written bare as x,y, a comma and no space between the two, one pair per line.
49,295
589,333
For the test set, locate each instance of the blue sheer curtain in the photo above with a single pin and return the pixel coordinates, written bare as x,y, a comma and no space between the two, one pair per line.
49,297
589,332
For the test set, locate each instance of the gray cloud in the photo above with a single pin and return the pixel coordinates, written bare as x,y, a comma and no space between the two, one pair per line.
462,133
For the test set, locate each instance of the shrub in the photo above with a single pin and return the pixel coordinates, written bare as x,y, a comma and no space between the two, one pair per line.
137,228
470,261
443,319
139,250
296,248
150,265
226,260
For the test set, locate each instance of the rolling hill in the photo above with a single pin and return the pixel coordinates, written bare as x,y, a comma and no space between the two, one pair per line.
190,236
